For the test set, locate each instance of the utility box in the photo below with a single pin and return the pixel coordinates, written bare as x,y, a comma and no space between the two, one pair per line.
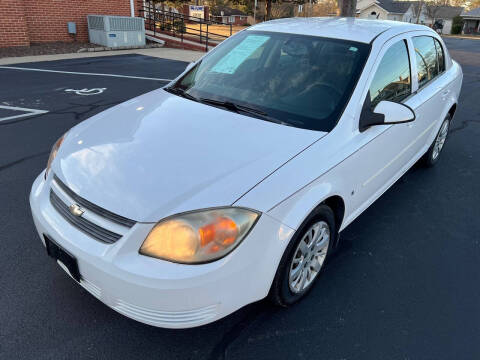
72,27
116,31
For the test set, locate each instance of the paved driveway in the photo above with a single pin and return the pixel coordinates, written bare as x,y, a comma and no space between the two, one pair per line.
404,285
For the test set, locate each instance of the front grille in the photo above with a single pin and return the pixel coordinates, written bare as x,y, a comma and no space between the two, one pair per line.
83,224
92,207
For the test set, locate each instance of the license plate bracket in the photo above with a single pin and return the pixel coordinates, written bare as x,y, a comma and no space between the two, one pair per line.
58,253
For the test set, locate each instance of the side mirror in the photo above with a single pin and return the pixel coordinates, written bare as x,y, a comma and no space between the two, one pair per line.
394,113
385,113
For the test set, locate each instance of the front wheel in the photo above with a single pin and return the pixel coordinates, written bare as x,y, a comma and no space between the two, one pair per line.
304,257
433,154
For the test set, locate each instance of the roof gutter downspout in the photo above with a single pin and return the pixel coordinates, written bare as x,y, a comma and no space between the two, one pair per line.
132,9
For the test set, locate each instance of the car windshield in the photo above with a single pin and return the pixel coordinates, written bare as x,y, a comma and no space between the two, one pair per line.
297,80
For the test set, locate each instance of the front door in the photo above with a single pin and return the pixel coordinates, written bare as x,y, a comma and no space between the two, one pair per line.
387,149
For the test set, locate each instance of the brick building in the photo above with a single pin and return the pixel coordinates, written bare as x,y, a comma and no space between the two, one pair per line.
227,15
32,21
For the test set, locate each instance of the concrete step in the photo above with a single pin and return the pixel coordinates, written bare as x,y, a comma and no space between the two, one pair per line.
176,42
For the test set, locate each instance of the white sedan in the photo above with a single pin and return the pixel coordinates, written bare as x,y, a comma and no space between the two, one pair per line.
234,181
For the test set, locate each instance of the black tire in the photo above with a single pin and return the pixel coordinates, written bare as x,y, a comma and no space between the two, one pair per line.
280,292
431,157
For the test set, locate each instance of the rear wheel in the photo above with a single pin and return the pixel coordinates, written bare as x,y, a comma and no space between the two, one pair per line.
303,260
433,154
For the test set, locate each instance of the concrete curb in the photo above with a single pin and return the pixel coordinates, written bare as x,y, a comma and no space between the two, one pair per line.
159,52
101,48
462,37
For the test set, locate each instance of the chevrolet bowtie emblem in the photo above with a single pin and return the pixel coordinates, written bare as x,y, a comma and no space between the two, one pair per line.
76,210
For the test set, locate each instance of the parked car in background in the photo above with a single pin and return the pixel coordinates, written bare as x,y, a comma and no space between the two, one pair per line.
234,181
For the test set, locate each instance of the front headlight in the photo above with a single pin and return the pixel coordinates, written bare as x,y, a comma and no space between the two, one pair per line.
200,236
53,153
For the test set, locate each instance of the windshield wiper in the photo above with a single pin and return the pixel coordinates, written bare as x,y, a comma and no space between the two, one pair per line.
232,106
180,92
242,109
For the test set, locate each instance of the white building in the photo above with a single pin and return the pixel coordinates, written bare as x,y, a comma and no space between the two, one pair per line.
471,21
406,11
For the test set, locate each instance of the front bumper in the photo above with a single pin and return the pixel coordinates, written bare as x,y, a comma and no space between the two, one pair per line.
158,292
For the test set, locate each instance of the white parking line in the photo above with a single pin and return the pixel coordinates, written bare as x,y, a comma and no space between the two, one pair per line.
83,73
29,112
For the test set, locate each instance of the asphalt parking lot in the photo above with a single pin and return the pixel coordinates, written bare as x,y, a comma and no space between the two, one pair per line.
405,283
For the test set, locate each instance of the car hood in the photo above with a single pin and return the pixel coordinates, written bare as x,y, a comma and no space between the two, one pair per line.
160,154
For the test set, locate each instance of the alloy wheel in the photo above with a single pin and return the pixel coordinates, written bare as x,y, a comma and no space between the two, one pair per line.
440,140
309,257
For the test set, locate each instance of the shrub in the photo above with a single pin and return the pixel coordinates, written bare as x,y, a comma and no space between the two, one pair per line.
457,25
179,26
166,26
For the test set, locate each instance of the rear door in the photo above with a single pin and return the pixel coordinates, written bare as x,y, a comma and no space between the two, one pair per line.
429,70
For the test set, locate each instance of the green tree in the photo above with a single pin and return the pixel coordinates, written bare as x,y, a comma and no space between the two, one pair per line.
457,25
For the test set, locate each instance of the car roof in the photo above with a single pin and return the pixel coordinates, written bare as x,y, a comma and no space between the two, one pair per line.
361,30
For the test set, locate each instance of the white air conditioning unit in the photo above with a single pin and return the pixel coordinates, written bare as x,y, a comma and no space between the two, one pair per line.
116,31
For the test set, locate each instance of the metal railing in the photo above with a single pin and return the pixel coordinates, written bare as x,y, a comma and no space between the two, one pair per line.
182,26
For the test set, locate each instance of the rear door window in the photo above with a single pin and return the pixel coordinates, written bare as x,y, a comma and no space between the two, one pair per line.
440,56
427,59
